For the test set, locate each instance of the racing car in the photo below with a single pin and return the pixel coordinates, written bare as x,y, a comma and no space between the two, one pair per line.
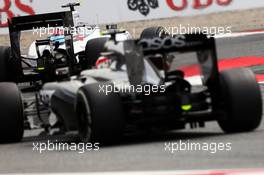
137,96
55,58
84,36
128,93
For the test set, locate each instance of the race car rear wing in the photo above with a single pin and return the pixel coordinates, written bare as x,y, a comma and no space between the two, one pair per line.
22,23
26,23
201,44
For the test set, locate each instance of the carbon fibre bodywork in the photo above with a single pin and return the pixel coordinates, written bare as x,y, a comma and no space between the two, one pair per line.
131,67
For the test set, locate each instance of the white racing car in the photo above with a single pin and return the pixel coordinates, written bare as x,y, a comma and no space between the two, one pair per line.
84,37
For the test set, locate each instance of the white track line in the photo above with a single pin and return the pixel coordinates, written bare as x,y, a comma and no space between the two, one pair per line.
198,172
197,80
239,34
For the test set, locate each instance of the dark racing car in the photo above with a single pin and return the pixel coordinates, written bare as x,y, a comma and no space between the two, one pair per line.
128,93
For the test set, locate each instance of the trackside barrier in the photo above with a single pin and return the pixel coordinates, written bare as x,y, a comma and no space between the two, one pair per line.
105,11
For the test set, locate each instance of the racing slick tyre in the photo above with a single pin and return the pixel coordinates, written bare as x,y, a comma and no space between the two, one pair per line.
93,49
4,57
156,32
100,116
153,32
242,99
11,113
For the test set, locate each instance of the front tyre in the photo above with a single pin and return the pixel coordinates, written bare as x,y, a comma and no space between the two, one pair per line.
100,116
242,101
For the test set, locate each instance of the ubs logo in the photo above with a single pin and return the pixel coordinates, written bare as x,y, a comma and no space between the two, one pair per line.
143,6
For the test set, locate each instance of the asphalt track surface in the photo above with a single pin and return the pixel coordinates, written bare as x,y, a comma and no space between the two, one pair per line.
147,152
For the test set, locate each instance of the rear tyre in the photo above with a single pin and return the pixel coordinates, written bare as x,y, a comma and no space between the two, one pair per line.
153,32
156,32
100,116
4,57
242,99
11,113
93,49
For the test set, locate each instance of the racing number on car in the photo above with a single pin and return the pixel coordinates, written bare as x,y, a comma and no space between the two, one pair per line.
6,9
